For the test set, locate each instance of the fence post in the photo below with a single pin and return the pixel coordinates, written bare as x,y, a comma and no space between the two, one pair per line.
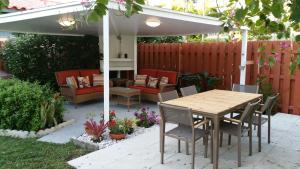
244,30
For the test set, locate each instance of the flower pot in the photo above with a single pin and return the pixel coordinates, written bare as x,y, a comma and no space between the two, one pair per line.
117,136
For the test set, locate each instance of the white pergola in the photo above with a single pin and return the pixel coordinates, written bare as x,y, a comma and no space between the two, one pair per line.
45,21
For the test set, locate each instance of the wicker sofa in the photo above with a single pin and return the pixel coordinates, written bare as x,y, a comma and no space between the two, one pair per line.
78,95
151,94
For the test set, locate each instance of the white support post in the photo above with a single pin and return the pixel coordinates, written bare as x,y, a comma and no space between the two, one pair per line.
106,65
244,55
135,55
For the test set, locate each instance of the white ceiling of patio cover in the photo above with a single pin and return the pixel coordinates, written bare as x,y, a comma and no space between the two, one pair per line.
45,21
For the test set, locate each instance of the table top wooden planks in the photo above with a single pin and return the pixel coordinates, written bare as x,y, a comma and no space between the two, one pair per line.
215,102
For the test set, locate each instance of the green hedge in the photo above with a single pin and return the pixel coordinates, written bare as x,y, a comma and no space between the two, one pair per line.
37,57
28,106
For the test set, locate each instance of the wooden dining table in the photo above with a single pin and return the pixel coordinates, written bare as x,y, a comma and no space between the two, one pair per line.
214,105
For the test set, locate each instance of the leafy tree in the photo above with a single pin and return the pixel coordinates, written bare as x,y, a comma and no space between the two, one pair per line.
99,8
264,18
3,3
162,39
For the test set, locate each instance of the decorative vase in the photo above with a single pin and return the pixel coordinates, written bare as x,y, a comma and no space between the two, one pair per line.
117,136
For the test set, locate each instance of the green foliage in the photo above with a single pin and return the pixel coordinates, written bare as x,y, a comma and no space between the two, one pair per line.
51,111
100,8
162,39
202,80
265,88
263,17
293,67
37,57
3,3
295,11
31,154
22,106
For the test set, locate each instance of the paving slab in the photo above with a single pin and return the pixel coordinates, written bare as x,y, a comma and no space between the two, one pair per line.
142,152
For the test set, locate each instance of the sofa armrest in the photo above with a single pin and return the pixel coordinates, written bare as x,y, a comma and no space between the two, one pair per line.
166,87
129,83
67,91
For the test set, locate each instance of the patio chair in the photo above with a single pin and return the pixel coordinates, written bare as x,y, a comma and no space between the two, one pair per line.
235,127
162,97
186,131
245,88
190,90
241,88
165,96
187,91
258,120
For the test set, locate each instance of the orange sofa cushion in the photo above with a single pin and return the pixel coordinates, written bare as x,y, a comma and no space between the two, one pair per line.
62,75
89,90
172,76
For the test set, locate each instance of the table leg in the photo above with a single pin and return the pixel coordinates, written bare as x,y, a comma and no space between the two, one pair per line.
139,99
216,142
128,103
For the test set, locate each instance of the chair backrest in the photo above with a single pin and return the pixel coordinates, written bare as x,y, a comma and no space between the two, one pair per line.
270,103
250,109
190,90
245,88
175,114
165,96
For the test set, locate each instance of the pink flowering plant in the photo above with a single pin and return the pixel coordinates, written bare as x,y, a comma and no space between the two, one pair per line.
268,61
146,118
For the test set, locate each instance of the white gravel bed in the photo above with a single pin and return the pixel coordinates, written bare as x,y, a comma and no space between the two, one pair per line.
107,141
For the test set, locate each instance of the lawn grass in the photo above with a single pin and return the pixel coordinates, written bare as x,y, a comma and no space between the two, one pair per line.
33,154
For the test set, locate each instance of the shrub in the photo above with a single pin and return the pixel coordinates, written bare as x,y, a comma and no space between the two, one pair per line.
28,106
37,57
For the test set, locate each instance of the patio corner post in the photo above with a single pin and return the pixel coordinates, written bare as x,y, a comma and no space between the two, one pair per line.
106,65
135,46
243,65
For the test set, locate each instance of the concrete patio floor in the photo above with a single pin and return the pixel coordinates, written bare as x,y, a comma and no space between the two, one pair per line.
142,152
82,113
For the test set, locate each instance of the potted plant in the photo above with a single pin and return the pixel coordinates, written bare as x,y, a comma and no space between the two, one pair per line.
117,130
146,118
128,124
95,130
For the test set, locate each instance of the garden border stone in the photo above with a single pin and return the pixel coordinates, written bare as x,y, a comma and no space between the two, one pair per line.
84,141
33,134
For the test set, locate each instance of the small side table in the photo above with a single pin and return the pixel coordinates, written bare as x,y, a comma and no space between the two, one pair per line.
126,93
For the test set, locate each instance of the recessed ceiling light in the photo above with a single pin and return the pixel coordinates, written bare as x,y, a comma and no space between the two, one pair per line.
153,22
66,20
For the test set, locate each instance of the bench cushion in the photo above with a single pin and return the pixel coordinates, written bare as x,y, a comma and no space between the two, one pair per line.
89,90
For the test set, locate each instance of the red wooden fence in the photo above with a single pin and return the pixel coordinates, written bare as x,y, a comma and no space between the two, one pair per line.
223,60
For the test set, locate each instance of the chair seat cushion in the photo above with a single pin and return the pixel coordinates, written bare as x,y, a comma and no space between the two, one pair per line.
146,89
89,90
184,132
